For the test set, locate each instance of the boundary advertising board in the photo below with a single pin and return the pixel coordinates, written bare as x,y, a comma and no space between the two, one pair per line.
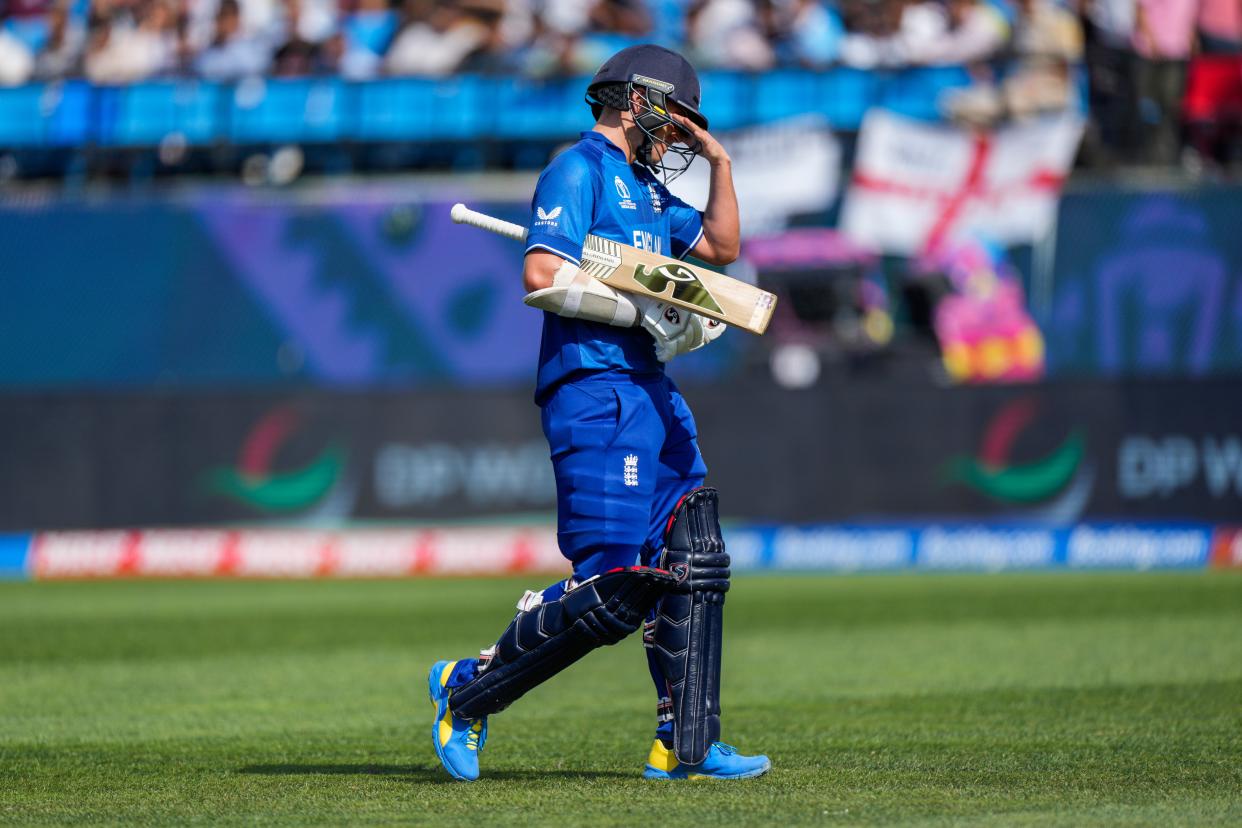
1051,455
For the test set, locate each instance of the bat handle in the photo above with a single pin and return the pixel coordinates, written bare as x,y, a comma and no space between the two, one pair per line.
462,214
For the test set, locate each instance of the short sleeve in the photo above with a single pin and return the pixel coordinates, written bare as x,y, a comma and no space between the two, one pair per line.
685,225
563,207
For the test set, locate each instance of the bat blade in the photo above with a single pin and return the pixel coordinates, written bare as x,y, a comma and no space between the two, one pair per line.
626,268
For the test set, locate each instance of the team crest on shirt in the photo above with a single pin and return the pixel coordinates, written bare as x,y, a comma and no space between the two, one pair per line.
631,470
624,193
656,204
547,217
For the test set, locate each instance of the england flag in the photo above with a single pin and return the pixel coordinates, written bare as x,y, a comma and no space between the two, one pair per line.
917,184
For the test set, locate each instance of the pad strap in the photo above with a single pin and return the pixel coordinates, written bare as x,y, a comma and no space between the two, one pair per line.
542,641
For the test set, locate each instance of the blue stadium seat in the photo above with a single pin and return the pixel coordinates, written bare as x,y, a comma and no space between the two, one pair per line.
726,99
845,95
785,93
414,109
549,109
47,115
465,108
916,92
279,109
147,112
22,121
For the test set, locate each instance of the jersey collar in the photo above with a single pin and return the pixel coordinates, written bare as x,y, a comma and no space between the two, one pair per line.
591,135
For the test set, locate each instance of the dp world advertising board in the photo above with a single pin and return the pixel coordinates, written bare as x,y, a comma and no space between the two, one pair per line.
1054,454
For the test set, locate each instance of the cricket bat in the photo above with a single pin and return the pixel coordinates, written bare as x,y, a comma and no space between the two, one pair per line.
626,268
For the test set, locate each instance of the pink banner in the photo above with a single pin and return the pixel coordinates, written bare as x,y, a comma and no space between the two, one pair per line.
295,553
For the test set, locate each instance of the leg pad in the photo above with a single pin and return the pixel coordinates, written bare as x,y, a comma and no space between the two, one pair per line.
544,640
688,624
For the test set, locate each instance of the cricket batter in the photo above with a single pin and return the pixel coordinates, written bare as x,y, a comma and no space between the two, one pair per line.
642,534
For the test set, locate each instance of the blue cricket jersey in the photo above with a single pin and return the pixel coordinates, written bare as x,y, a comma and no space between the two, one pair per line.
590,189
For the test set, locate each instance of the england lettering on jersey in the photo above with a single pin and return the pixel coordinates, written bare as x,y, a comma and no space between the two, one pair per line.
646,241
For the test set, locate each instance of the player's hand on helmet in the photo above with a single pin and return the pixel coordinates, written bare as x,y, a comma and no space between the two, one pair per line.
709,148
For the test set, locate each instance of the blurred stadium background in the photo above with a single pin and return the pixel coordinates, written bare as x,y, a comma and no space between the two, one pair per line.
242,339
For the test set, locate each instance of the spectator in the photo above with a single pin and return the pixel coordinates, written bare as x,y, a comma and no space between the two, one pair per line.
232,55
1164,39
1212,107
546,51
1047,41
873,36
434,40
1220,26
575,37
16,62
263,19
814,34
628,18
61,56
1109,49
611,26
365,35
300,55
729,34
313,21
971,31
805,33
494,53
120,50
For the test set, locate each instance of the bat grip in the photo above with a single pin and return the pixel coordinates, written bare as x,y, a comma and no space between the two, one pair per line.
461,214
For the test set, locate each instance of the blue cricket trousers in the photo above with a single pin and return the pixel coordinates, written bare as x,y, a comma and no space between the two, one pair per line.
624,450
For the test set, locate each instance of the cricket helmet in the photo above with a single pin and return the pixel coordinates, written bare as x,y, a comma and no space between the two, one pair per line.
658,76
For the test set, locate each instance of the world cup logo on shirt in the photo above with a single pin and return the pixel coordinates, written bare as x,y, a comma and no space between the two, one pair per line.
624,193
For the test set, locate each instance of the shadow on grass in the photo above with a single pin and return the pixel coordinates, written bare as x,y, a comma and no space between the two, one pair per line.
422,773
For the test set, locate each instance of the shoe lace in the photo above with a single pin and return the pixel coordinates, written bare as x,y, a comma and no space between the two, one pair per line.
476,736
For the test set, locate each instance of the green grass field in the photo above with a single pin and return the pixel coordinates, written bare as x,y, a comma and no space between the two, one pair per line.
1060,699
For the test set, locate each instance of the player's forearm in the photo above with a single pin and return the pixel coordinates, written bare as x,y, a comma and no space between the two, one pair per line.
539,269
721,225
575,295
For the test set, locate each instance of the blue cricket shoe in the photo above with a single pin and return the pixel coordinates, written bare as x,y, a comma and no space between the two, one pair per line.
722,762
457,741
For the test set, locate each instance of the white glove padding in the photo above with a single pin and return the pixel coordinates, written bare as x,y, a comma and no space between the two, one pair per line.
575,295
675,330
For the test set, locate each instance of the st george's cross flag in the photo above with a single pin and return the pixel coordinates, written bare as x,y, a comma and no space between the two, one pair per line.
917,184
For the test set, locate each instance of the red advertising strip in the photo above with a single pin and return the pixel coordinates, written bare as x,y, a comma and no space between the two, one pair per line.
295,553
1226,547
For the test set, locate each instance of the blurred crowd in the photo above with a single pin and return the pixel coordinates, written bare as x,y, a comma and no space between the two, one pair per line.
1022,52
121,41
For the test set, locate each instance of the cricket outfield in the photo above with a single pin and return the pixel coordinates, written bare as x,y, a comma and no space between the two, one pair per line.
1034,699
